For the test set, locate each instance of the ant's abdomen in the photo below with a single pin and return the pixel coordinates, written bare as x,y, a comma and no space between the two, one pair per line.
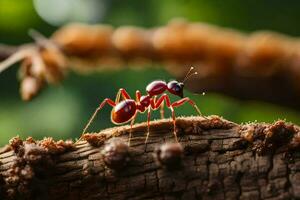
156,87
123,111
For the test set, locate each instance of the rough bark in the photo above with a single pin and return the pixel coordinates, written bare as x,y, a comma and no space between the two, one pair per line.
222,160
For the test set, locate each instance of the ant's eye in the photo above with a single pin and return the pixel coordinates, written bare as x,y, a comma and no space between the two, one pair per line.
177,88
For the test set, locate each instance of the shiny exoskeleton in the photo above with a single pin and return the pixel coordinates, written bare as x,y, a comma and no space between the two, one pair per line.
126,110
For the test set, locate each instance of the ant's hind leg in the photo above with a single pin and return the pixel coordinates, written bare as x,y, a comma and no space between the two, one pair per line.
148,124
124,94
108,101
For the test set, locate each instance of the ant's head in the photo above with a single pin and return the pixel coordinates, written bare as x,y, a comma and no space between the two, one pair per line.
176,87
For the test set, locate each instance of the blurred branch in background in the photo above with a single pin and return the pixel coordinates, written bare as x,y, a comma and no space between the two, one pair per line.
262,65
6,51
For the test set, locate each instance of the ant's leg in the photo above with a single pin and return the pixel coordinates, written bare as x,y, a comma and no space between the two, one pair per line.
138,96
174,122
160,100
124,94
121,91
118,97
109,102
162,111
158,103
191,102
130,132
148,124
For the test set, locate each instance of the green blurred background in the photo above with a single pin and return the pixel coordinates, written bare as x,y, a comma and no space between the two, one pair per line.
62,111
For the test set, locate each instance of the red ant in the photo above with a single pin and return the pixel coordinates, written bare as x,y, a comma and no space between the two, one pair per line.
126,110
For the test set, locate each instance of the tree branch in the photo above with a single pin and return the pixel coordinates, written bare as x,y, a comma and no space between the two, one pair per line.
6,51
221,160
261,65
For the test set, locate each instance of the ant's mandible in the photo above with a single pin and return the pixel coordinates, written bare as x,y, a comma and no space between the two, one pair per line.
126,110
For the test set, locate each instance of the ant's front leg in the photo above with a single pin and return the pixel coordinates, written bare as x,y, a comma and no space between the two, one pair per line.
191,102
124,94
109,102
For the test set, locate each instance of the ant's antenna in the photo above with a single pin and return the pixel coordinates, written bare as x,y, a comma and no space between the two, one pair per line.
189,74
